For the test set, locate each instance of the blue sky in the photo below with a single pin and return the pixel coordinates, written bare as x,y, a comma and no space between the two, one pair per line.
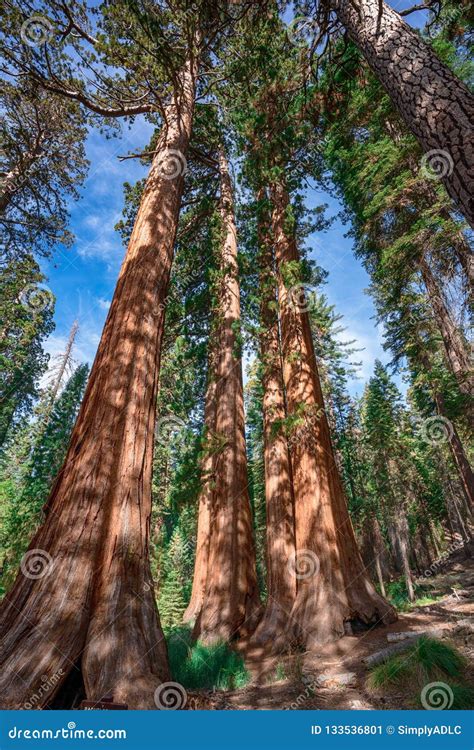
83,277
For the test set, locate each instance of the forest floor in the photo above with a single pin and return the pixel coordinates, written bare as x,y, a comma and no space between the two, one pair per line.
335,676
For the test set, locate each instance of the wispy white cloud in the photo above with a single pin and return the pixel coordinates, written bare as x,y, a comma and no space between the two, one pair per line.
104,304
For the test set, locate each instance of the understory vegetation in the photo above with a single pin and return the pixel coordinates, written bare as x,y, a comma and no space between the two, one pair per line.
428,661
195,665
234,468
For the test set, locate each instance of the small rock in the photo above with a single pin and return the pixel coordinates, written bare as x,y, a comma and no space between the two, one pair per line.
332,679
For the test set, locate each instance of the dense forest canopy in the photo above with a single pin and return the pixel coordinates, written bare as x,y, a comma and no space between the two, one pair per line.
213,481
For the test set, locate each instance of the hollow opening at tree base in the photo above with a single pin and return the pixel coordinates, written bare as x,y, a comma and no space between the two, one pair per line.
357,626
71,693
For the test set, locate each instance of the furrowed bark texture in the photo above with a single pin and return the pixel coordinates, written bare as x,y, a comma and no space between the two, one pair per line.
332,584
281,579
231,600
96,602
205,498
435,105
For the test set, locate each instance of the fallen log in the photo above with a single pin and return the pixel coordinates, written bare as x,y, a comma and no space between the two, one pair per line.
386,653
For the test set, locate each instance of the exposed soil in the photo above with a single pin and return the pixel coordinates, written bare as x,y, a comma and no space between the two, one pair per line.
334,676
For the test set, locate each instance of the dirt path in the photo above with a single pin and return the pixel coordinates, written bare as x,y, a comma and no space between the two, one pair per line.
334,675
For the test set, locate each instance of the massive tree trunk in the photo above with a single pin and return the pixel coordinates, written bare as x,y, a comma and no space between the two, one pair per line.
281,579
332,584
206,495
84,599
435,105
231,600
456,353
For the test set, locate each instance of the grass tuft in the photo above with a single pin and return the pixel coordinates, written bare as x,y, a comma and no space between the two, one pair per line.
195,665
428,660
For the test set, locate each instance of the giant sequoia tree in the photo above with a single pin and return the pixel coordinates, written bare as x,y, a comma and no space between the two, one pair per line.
223,82
230,598
107,471
332,586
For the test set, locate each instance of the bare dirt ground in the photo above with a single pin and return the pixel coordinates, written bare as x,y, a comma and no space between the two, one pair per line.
334,676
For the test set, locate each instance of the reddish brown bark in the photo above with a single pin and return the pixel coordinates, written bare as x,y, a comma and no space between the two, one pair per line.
97,606
435,105
333,586
281,579
205,497
231,599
